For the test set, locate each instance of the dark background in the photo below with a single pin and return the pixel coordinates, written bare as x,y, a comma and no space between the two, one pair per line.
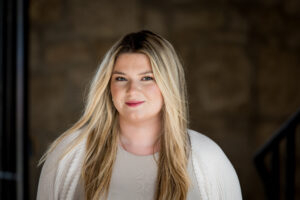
241,59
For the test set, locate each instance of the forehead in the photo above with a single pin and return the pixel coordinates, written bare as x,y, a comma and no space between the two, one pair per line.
132,61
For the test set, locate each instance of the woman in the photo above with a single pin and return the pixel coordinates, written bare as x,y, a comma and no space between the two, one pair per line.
132,141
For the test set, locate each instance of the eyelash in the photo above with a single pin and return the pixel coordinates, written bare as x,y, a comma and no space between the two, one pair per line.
118,78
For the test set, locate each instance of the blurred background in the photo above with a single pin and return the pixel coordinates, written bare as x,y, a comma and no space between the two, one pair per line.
242,63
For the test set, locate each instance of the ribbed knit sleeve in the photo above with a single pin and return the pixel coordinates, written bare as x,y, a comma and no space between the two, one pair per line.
217,179
59,178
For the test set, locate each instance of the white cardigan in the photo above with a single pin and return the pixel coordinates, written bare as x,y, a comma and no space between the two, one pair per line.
216,177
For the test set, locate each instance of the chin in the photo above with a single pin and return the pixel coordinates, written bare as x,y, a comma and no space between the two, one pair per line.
135,118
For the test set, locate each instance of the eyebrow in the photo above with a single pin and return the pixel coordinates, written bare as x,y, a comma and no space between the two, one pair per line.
146,72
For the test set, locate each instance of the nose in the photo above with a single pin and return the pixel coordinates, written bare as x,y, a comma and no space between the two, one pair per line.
133,86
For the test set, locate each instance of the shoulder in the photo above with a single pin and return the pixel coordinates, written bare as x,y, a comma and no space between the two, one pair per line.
213,168
63,145
64,153
57,171
202,144
206,150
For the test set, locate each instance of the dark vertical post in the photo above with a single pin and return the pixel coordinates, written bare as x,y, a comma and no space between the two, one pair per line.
13,99
21,98
7,132
290,164
274,190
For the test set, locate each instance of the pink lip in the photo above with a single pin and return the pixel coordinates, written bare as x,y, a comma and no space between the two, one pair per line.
134,103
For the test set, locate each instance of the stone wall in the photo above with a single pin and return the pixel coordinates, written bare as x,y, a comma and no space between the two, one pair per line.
241,60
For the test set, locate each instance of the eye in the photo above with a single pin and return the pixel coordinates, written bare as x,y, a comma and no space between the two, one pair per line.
147,78
119,78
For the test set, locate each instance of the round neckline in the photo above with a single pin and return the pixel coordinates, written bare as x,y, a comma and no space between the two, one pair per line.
135,155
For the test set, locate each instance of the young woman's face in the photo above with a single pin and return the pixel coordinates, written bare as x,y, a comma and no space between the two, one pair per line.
135,93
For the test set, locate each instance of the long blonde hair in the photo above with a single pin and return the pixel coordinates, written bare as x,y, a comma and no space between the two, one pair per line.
100,120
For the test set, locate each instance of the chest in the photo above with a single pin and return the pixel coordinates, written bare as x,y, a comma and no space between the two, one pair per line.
134,178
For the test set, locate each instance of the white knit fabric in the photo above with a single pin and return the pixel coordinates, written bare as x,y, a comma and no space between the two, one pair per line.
216,177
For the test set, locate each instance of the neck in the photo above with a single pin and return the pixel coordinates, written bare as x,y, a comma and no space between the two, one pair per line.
140,135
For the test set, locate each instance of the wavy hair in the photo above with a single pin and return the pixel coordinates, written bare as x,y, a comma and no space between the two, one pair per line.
100,119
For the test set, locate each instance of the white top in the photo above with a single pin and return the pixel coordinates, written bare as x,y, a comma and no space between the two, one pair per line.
212,174
134,176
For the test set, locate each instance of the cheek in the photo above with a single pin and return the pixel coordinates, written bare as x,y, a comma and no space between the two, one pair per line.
153,92
116,93
115,90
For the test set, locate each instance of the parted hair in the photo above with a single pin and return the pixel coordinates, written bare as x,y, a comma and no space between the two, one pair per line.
99,122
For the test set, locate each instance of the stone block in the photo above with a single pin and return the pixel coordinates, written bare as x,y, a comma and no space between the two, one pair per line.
228,37
265,22
235,20
220,79
103,18
278,82
45,12
292,7
292,35
35,51
155,20
70,52
198,19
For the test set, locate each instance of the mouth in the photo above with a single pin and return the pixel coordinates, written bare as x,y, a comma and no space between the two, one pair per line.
134,103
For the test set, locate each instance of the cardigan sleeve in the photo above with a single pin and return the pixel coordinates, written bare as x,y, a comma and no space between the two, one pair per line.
217,178
46,187
59,177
